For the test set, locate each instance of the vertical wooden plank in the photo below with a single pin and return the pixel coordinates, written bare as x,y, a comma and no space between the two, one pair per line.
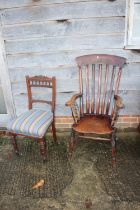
5,79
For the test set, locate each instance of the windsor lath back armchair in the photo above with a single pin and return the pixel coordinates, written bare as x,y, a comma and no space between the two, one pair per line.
97,108
35,122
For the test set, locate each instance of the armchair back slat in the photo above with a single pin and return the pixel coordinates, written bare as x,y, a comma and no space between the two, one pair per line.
87,89
93,89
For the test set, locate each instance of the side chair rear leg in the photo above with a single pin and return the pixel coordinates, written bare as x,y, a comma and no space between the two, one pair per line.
14,142
42,148
45,144
113,142
54,132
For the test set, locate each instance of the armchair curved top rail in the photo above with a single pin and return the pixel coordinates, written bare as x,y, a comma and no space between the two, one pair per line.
101,59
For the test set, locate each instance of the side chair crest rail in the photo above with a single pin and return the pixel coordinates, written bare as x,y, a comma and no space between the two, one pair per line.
96,107
35,122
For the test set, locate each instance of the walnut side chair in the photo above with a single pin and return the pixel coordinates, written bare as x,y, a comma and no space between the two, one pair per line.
97,109
34,123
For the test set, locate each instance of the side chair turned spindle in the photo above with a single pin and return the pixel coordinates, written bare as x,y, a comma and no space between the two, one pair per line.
96,111
35,122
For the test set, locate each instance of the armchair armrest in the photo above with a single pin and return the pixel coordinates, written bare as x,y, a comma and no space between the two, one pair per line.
73,98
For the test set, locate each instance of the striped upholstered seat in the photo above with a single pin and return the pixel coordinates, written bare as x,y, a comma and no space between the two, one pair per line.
31,123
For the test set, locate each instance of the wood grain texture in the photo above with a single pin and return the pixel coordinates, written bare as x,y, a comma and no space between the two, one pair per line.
64,43
65,73
64,59
27,3
130,100
71,27
62,85
5,82
60,110
69,75
64,11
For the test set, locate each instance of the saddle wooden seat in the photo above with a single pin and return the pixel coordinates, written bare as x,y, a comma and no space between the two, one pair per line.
94,124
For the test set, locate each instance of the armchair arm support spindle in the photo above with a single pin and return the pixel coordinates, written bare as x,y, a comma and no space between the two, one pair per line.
118,105
74,107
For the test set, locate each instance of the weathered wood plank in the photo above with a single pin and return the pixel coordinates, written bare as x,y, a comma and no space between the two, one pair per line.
62,85
64,59
130,99
72,85
64,11
61,98
22,3
60,110
72,27
130,83
64,43
46,60
21,101
18,75
131,70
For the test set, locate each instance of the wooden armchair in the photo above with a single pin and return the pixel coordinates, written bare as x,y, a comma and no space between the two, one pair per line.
35,122
96,111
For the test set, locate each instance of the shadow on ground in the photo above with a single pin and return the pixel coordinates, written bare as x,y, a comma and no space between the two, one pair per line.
88,181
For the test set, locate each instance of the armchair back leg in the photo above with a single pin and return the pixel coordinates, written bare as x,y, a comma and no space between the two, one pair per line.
54,132
113,143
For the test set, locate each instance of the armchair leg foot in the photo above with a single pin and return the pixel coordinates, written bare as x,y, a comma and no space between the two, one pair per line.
69,156
42,148
113,142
